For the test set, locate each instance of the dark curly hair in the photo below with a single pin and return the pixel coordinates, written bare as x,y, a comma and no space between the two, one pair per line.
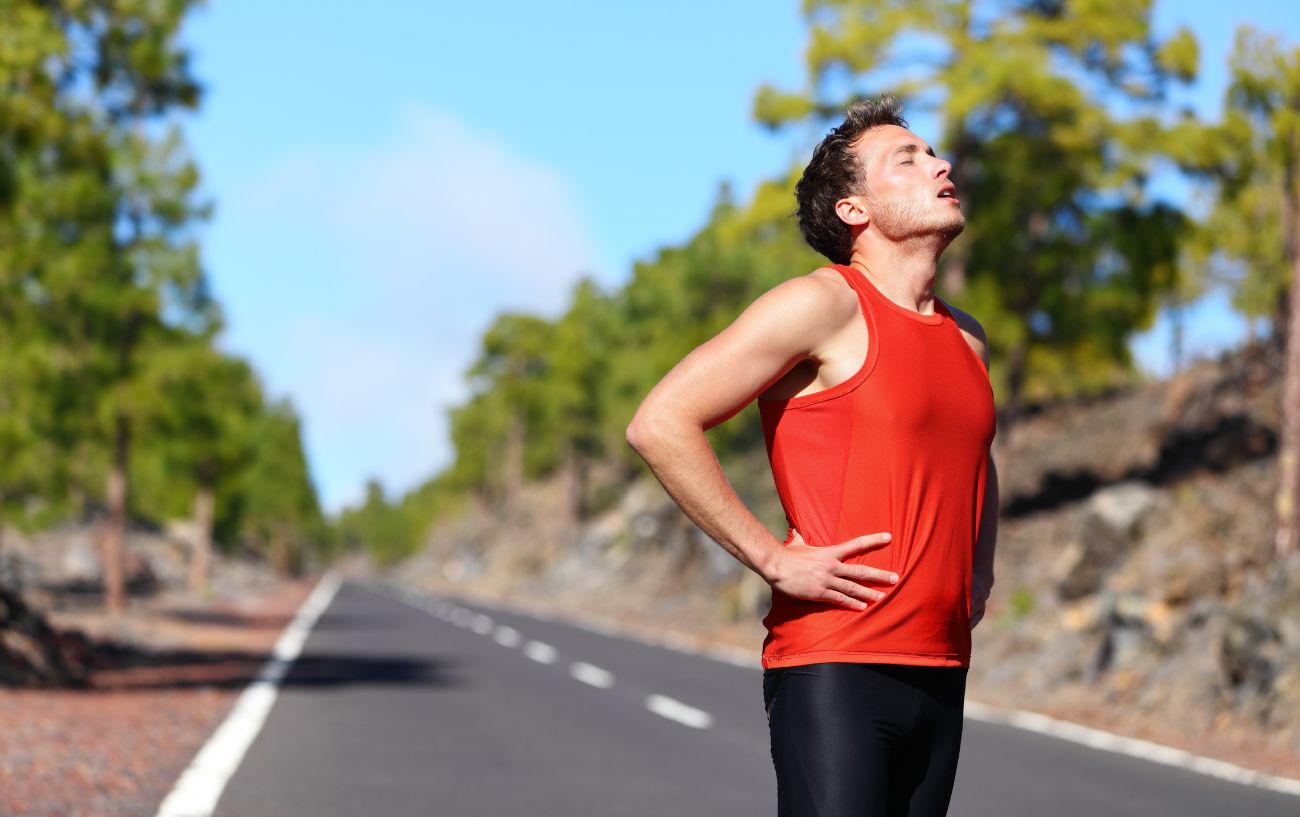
835,171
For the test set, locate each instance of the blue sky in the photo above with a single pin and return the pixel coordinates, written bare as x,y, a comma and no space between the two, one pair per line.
388,177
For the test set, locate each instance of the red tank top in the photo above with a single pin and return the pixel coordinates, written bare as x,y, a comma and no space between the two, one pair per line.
901,446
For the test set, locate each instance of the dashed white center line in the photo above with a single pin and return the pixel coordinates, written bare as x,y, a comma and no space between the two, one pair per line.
591,674
543,653
507,636
539,652
675,710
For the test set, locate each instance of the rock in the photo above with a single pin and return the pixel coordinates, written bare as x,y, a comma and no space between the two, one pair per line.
1243,654
1135,609
1124,505
80,563
1109,526
1085,614
32,653
1189,682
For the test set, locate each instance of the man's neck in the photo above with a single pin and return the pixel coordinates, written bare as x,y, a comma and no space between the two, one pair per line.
902,271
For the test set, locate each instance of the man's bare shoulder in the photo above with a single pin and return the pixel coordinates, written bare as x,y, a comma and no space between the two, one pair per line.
822,296
797,315
972,331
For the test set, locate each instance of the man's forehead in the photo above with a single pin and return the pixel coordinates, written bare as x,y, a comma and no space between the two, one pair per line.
885,139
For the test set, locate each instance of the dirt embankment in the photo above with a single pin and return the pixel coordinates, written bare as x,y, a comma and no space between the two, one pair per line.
102,713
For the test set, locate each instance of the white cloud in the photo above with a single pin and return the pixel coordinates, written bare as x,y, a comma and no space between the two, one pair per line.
359,281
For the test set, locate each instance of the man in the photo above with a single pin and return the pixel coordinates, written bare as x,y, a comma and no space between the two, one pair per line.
878,416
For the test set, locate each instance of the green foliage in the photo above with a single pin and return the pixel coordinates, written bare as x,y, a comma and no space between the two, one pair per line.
106,321
280,514
199,433
388,531
1249,239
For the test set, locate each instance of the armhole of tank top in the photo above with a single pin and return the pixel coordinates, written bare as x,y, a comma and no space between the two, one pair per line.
962,337
868,364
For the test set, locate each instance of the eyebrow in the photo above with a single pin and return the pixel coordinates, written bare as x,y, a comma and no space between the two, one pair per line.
912,148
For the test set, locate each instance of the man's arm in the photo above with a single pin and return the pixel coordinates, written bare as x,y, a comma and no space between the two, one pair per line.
783,327
986,539
982,576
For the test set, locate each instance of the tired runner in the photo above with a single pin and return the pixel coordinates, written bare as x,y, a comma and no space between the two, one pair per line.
878,415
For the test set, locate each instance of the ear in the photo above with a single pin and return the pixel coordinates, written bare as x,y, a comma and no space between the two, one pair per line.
852,210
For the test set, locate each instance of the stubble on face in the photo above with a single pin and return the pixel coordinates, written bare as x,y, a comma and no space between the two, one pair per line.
914,211
913,215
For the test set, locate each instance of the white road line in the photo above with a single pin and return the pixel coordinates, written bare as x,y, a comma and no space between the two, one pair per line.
1021,719
591,674
199,787
540,652
508,636
1133,747
482,624
675,710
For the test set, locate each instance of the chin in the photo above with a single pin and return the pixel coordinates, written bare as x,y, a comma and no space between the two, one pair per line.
951,228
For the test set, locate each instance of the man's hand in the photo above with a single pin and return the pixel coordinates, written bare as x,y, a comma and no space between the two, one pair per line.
980,589
820,574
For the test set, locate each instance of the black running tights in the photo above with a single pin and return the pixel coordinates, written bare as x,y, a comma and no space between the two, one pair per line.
864,740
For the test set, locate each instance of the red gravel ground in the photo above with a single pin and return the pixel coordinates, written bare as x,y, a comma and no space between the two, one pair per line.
118,747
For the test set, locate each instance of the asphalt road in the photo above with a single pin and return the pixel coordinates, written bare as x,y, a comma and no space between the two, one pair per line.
410,705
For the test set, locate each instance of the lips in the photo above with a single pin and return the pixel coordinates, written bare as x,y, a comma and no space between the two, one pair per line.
948,191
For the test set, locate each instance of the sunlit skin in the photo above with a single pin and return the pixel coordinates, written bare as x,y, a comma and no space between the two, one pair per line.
802,336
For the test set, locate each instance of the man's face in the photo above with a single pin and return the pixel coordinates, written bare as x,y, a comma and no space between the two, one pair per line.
907,192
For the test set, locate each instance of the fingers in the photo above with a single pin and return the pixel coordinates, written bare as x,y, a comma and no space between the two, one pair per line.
854,591
861,543
864,573
845,601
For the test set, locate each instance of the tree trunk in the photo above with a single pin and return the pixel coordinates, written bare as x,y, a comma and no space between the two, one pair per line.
513,463
572,477
1017,365
201,553
280,556
1288,461
113,547
952,277
954,272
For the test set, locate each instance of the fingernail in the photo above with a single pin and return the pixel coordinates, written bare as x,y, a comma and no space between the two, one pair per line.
893,577
889,536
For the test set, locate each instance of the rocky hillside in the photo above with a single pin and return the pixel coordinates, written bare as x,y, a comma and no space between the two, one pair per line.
1136,588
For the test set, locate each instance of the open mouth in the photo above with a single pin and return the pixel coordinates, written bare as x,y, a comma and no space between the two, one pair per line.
948,191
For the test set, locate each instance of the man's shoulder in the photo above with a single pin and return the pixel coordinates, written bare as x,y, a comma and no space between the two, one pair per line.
972,330
822,292
801,312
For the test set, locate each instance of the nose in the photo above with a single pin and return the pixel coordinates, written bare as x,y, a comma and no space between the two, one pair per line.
942,167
